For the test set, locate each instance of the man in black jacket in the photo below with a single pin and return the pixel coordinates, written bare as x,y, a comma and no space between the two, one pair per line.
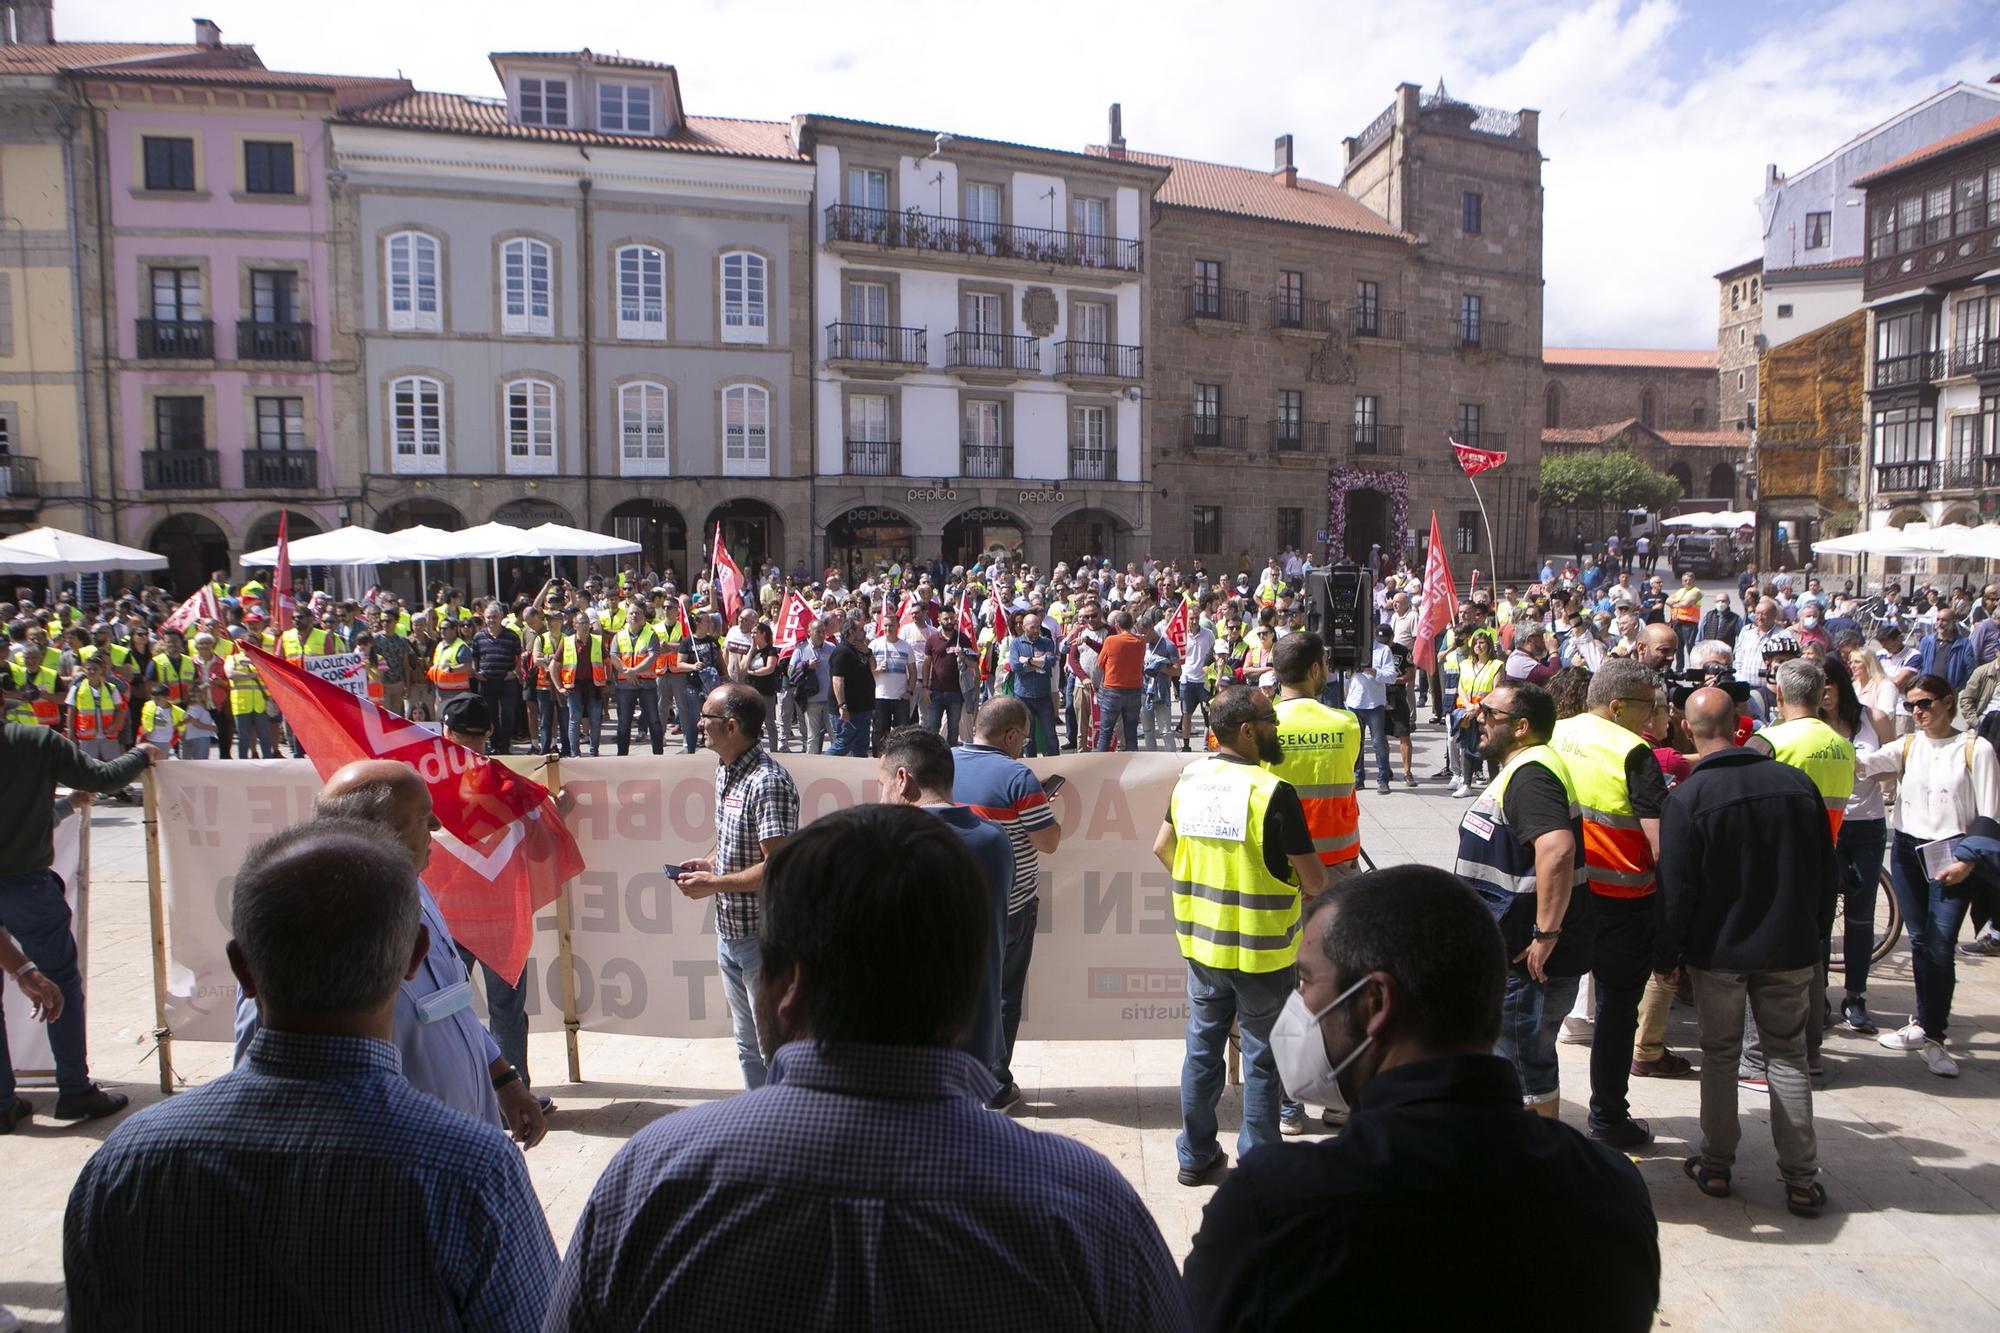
1747,882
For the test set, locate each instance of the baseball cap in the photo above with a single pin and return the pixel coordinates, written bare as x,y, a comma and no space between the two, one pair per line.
468,713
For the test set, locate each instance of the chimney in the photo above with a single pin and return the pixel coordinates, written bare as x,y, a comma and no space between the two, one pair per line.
34,22
207,35
1283,169
1116,144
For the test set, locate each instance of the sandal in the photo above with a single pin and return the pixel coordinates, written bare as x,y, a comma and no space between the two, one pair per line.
1713,1183
1805,1201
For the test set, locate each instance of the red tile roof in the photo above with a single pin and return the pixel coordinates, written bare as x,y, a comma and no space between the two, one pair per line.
1258,194
453,113
1588,434
56,57
1648,358
1971,134
586,56
1824,266
1721,439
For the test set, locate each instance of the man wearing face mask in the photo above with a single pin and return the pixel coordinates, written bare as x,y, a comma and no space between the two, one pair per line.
1236,842
1397,1010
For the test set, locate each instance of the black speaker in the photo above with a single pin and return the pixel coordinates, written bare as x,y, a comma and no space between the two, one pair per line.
1340,608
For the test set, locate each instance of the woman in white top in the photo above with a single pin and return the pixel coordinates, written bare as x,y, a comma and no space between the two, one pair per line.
1948,778
1875,690
1864,836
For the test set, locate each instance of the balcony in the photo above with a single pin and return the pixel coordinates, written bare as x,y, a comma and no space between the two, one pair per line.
1904,477
985,460
264,340
1290,435
1488,336
1297,314
1098,361
1989,469
1976,358
1374,321
1895,372
177,339
1200,430
991,357
19,477
180,469
850,224
874,458
880,351
1205,300
1378,441
1086,464
280,470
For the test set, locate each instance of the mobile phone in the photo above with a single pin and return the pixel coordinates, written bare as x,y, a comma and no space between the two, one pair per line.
1052,784
672,871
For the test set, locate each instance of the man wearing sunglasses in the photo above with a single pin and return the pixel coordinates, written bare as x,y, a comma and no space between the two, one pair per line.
1519,847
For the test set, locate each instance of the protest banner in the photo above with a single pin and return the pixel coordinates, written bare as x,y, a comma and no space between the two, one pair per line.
1106,964
343,671
28,1040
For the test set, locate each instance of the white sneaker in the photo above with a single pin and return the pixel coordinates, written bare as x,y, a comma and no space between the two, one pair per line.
1461,790
1937,1061
1909,1037
1576,1031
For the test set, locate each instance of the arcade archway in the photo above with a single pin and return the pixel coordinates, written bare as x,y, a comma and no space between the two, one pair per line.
1082,532
659,528
194,548
976,534
752,530
866,535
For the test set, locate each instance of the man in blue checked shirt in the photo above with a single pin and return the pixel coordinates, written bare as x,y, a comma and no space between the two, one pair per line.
311,1186
865,1185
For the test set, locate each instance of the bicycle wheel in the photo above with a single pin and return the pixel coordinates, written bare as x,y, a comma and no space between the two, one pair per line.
1888,922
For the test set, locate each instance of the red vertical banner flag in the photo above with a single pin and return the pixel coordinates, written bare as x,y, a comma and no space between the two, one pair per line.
281,581
727,576
795,618
502,851
968,617
1437,602
1176,628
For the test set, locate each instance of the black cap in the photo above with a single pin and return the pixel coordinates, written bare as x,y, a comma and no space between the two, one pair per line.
468,713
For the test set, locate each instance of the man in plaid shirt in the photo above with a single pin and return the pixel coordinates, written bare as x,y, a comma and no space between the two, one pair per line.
756,809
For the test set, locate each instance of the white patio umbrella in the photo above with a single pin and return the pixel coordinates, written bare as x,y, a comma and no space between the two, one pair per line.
1980,543
351,545
1702,519
488,541
554,539
1913,540
55,551
425,544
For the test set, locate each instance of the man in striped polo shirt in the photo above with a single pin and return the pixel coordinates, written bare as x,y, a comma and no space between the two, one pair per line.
991,778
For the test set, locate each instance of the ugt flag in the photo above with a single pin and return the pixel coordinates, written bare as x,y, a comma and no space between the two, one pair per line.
281,581
1476,461
1439,597
503,852
728,577
1176,628
795,618
204,605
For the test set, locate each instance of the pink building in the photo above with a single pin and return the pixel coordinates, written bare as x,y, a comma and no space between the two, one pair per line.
227,388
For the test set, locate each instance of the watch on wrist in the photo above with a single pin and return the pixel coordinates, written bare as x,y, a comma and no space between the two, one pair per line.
509,1075
1539,934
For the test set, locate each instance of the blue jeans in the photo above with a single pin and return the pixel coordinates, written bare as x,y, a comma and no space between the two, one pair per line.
947,707
1217,997
687,703
586,710
742,964
1042,738
506,1015
1531,1015
1376,720
850,733
1014,959
638,701
1117,709
34,913
1862,845
1933,921
253,732
551,732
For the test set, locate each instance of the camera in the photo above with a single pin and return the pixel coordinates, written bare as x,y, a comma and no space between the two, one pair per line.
1720,676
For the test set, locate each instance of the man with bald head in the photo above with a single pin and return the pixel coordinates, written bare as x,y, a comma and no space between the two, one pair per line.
1747,877
1657,648
445,1049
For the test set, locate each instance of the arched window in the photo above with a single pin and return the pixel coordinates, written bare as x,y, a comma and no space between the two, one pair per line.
416,416
1647,409
531,426
745,298
642,292
746,431
411,272
642,430
1552,406
527,286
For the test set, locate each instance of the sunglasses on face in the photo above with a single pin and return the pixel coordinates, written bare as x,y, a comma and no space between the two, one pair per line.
1921,705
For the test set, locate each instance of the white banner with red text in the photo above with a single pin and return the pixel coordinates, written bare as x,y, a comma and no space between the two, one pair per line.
1106,965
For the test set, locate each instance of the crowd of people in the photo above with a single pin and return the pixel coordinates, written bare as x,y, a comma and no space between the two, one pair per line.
1674,808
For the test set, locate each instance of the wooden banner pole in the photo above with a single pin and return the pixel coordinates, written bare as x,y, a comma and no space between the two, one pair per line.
156,902
564,956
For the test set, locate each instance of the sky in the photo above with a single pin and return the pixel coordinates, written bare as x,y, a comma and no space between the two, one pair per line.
1658,116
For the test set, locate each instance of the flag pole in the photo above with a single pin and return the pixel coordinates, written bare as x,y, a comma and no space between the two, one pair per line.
565,955
1492,551
163,1037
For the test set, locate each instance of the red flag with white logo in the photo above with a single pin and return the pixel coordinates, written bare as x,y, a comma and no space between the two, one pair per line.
728,577
281,581
204,605
1176,628
1435,607
503,851
794,619
1476,461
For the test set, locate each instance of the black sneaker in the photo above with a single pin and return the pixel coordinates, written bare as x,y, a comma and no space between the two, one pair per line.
1854,1012
1199,1175
92,1105
1006,1099
1626,1135
15,1114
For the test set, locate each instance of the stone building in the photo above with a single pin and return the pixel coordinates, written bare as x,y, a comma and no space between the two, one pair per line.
981,348
580,304
1663,389
1739,340
1315,347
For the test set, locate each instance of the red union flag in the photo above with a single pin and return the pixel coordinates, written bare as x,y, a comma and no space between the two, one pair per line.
204,605
728,577
503,852
1176,627
1439,598
968,618
1476,461
281,582
794,619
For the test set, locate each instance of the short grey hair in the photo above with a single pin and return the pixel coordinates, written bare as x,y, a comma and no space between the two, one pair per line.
1801,683
376,804
326,913
1709,649
1621,678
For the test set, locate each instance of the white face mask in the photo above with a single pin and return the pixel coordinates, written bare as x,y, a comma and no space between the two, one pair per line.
1300,1051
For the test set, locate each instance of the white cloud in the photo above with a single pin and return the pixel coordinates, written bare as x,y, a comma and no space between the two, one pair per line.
1654,155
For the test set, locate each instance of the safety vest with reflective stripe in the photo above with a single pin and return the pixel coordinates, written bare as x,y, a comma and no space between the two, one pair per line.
246,687
149,717
97,714
1322,746
251,594
44,711
569,659
1230,912
1618,861
546,645
174,673
451,666
1822,754
19,710
295,649
1475,682
1490,857
638,651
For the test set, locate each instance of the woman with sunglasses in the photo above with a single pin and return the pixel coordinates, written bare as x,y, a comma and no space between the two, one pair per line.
1947,779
